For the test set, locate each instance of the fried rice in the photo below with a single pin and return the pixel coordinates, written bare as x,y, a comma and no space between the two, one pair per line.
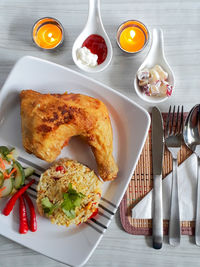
54,183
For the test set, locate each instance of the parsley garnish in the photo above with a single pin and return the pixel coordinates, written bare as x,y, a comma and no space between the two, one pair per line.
47,206
72,199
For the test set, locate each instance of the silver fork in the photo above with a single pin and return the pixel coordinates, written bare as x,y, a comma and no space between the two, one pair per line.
173,141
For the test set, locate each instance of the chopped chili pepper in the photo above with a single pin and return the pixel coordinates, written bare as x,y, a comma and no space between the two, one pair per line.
60,169
94,213
33,222
9,206
23,225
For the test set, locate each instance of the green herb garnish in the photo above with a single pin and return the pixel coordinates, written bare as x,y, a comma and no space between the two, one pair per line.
47,206
4,150
72,199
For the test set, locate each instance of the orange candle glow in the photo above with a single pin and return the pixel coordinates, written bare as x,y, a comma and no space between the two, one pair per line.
132,36
47,33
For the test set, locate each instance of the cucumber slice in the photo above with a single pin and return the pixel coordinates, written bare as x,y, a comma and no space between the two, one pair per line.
14,153
1,178
8,183
28,172
19,175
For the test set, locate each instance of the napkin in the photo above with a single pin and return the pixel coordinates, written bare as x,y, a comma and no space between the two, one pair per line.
187,185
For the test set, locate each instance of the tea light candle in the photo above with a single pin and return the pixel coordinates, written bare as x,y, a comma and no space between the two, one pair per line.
132,36
48,33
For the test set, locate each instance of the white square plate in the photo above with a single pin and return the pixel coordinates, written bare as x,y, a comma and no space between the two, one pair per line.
130,123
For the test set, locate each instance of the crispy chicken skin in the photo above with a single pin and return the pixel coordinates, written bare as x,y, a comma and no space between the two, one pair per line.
49,120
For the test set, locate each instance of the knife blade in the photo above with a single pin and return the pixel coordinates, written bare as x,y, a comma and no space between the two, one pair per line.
157,160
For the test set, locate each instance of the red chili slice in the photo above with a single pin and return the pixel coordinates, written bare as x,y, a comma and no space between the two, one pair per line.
60,169
94,213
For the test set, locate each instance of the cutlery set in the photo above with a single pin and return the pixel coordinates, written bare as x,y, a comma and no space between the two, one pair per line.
173,135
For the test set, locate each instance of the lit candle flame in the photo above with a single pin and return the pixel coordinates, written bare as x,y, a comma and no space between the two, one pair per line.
50,36
132,34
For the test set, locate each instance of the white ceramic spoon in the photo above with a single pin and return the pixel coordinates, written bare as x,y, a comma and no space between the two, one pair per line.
155,56
94,25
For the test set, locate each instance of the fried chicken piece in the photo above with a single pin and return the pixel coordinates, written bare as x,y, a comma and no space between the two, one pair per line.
50,120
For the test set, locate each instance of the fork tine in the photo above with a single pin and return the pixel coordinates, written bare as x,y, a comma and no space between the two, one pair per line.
172,122
181,123
177,121
167,123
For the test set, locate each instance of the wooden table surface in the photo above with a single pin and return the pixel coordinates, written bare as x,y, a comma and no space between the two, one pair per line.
180,21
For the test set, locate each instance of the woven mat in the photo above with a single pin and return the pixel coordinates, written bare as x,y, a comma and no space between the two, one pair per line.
141,183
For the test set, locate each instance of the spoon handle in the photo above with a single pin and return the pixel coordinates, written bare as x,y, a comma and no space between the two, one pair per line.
197,224
174,220
94,16
157,45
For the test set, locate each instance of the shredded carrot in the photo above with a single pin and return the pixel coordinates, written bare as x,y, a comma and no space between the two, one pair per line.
7,176
2,165
1,190
13,170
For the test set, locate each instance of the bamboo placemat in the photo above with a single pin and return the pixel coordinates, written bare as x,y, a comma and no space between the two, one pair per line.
141,183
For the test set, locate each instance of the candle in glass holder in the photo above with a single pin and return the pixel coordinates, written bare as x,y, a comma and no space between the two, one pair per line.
132,36
48,33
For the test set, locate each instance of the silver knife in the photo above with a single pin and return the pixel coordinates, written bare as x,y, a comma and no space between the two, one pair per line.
157,159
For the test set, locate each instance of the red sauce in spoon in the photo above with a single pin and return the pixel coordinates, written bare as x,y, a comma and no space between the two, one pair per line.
97,45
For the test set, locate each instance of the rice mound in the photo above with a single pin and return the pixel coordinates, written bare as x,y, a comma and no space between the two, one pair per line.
53,184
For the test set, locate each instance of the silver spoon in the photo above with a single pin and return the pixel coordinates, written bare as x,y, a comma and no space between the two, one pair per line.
191,137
